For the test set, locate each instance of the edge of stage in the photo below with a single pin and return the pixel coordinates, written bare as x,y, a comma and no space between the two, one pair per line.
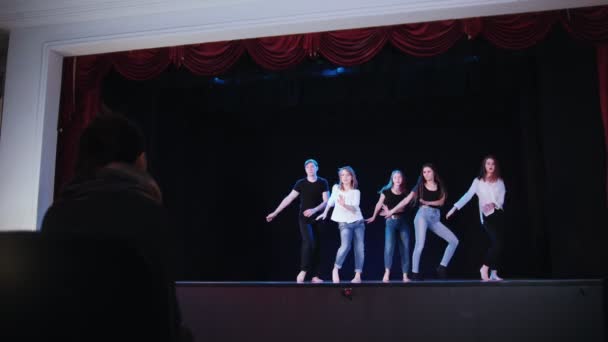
429,282
430,310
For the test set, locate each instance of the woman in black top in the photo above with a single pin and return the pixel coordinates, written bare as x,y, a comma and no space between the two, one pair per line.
390,195
431,195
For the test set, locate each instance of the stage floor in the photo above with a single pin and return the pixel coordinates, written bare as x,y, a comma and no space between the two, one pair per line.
429,282
432,310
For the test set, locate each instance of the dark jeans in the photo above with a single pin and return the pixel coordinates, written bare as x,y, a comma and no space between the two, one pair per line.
310,255
397,230
494,227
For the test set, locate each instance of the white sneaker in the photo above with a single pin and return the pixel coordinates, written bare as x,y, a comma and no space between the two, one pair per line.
494,276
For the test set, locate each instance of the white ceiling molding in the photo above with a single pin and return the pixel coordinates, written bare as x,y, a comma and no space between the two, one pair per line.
27,13
32,13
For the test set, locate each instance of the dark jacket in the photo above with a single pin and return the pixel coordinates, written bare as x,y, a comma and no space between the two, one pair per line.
119,202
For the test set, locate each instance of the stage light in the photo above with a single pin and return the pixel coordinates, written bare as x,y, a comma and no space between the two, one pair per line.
218,80
329,73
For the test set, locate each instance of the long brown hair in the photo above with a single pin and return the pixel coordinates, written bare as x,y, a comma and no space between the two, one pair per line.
482,170
350,170
442,190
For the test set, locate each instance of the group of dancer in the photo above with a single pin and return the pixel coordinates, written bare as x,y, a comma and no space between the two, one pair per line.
429,195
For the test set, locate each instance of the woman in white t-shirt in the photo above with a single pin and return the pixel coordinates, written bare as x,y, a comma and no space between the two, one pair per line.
350,221
490,190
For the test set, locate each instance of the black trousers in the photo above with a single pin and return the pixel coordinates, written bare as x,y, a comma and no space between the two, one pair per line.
310,255
494,227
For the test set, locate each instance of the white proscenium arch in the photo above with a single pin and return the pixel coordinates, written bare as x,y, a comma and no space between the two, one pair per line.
41,36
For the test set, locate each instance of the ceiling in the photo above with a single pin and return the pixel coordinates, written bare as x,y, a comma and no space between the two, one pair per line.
26,13
31,13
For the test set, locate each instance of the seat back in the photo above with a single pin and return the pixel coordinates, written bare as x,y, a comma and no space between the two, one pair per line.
79,289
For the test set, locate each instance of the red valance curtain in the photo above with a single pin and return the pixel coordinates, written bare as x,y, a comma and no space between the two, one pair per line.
519,31
277,53
208,59
82,76
426,39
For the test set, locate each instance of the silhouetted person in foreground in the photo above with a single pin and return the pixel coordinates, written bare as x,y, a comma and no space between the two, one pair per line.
112,196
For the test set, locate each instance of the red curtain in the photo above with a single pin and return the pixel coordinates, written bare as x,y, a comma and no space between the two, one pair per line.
519,31
80,102
209,59
141,64
588,24
426,39
82,76
352,47
277,53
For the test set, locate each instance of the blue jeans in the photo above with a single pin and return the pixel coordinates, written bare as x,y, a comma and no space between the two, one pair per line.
429,218
393,227
349,232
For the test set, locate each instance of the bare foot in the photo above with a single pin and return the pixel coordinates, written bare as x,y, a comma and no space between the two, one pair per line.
335,275
387,276
357,278
483,271
301,276
405,278
316,280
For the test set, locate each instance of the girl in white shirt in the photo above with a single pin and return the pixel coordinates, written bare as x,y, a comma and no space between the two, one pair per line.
490,190
350,221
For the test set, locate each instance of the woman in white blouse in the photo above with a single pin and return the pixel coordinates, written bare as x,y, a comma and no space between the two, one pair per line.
490,190
350,221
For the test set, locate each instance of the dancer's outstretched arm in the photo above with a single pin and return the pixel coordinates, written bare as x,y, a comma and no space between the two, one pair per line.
437,203
398,208
376,209
464,199
284,203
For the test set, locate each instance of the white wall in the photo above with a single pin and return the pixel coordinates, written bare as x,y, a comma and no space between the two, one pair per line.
3,52
28,134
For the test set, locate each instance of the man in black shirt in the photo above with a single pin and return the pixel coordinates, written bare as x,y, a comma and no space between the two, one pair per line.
314,193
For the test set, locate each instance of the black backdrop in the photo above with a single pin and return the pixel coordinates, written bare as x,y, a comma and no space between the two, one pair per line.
226,151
